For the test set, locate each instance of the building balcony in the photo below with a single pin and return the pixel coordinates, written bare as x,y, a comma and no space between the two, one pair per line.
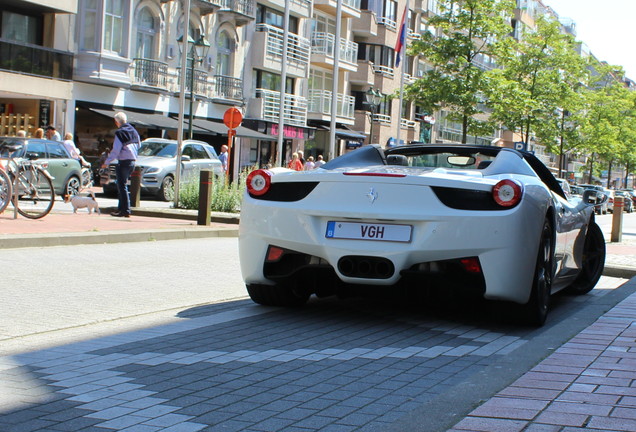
199,84
206,7
299,8
407,124
266,106
35,60
385,71
387,22
366,26
241,12
320,105
227,90
268,51
364,75
350,8
322,51
149,74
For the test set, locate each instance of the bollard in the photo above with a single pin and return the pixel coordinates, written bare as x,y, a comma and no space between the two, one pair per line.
617,219
205,197
135,187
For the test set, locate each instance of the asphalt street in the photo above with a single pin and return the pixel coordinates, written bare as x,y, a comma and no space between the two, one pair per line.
142,342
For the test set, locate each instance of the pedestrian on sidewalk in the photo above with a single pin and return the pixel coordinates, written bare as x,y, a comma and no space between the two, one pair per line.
125,148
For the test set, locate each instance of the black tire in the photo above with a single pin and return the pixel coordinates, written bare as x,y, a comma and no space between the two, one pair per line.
166,191
276,295
536,310
73,186
36,194
593,261
6,190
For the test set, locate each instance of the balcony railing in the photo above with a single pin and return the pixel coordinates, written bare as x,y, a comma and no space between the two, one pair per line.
229,88
298,47
35,60
387,22
383,70
381,118
323,43
320,102
150,73
295,107
200,81
407,124
243,7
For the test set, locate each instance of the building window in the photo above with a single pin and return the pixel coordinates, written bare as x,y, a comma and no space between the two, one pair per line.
146,34
271,81
376,54
225,48
89,29
265,15
20,28
320,80
114,26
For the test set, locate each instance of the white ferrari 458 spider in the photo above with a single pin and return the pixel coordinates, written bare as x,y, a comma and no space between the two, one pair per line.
487,219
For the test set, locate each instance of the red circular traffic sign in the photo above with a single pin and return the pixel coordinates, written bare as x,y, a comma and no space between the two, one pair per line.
232,118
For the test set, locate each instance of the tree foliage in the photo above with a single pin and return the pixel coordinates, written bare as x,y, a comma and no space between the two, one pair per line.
468,32
538,83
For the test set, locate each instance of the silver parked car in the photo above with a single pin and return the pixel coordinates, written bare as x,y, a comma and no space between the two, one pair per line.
157,161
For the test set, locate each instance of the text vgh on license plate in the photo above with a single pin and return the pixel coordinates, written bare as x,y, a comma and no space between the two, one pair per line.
368,231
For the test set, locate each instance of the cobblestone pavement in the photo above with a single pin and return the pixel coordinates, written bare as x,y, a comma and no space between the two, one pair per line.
351,365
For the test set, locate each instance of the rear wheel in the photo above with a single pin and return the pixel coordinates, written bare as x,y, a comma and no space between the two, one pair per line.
593,261
276,295
536,310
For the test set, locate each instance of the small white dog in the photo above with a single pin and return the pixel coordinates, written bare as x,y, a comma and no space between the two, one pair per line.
79,202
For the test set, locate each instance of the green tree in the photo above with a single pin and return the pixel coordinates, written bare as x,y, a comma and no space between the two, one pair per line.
469,32
606,123
538,85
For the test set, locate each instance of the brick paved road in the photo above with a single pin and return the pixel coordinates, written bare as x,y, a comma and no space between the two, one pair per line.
234,366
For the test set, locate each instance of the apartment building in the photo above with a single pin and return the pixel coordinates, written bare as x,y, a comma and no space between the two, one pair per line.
36,64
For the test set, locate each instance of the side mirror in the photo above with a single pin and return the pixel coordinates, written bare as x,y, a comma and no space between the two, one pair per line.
594,197
32,156
185,158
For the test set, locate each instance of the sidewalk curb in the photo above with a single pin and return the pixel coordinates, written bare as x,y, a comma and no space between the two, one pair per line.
71,239
617,271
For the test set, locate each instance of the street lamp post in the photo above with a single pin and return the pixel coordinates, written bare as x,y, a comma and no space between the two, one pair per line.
373,98
197,52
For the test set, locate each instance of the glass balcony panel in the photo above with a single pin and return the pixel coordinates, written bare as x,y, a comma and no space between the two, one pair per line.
35,60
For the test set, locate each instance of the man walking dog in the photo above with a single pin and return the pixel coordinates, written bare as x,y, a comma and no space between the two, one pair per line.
125,148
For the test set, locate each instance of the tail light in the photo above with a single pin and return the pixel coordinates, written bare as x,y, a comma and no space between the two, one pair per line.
507,193
471,265
259,182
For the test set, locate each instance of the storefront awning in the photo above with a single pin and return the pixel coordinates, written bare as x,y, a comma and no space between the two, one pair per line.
345,133
221,129
199,126
157,121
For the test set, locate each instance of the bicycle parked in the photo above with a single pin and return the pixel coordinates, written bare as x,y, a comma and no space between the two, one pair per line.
27,182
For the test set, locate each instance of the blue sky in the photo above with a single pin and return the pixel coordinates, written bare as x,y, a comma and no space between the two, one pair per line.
608,27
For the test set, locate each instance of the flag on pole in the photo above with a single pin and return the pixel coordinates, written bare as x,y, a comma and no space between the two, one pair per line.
401,41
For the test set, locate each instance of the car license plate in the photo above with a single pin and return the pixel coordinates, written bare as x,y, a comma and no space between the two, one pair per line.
369,231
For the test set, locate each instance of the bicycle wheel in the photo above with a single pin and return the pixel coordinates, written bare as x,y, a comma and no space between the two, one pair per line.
35,192
6,190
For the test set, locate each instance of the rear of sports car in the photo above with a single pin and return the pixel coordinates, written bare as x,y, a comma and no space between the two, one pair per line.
386,227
